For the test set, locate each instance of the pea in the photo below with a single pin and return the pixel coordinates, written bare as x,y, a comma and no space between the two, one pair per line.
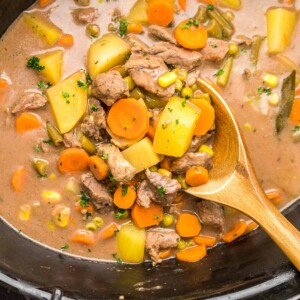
187,92
92,30
168,220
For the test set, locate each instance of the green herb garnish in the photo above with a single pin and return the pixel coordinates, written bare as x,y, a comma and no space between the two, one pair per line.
219,72
93,108
82,84
34,63
118,260
124,190
84,199
161,191
104,156
123,27
262,90
190,23
65,247
210,7
65,94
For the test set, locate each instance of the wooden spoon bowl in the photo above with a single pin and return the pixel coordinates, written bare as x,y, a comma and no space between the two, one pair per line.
233,182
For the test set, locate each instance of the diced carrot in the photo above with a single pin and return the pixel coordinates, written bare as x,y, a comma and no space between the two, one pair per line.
235,232
18,179
274,196
208,241
190,36
124,197
98,167
165,253
192,254
145,217
166,164
66,40
134,28
182,4
129,119
251,226
44,3
196,176
295,112
207,116
72,160
160,12
188,225
26,122
108,231
83,236
89,207
3,84
151,133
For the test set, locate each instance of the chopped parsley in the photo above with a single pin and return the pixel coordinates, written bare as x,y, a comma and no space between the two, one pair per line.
82,84
190,23
210,7
243,50
124,190
116,232
104,156
88,78
214,46
65,94
89,250
50,142
156,217
262,90
296,128
123,27
183,103
170,109
110,177
177,121
59,218
87,215
43,85
93,108
37,149
65,247
164,126
34,63
219,72
84,199
161,191
120,214
115,256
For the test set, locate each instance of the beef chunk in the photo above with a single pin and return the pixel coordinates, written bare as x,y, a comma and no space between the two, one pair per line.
85,15
29,101
98,193
176,56
198,141
215,50
191,159
70,140
109,87
145,71
162,33
242,40
94,123
120,168
136,45
146,193
211,214
160,238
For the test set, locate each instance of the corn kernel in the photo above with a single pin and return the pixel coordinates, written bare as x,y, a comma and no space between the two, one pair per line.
270,79
180,73
153,169
165,172
247,127
99,222
61,215
187,92
178,85
25,212
194,87
167,79
181,245
52,176
207,149
233,49
51,197
274,99
90,226
130,82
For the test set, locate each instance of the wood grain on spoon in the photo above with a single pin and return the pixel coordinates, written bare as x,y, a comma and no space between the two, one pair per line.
233,181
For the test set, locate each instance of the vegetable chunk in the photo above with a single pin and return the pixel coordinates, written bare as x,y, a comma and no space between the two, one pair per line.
175,128
105,53
138,12
68,101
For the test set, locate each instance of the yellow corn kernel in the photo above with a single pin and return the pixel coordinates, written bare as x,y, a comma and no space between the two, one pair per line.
274,99
51,197
52,176
130,82
194,87
187,92
181,245
180,73
51,225
90,226
25,212
99,222
207,149
270,79
167,79
247,127
233,49
178,85
190,243
153,169
61,215
165,172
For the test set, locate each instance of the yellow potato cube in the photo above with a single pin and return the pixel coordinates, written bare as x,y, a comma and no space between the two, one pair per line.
138,12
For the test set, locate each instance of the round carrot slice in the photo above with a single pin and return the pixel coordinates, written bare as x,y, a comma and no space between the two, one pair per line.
72,160
188,225
26,122
160,12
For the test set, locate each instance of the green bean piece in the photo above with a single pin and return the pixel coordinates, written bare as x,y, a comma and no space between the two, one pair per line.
255,48
40,166
228,15
224,77
152,101
225,25
213,29
201,14
85,143
136,93
54,134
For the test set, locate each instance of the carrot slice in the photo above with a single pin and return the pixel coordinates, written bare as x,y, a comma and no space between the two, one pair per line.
191,36
44,3
3,88
196,176
166,163
188,225
208,241
182,4
18,179
251,226
235,232
145,217
108,231
83,236
27,122
129,119
165,253
274,196
160,12
207,116
134,28
151,133
72,160
124,197
192,254
295,112
66,40
98,167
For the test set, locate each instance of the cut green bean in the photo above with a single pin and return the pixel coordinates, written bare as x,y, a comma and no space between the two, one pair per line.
54,134
255,48
136,93
85,143
214,30
152,101
40,166
223,78
201,14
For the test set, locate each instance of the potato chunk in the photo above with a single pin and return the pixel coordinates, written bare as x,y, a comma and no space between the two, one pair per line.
105,53
141,155
68,101
45,29
176,127
138,12
52,61
234,4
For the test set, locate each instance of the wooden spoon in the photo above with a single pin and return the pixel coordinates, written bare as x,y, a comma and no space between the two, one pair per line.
233,182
